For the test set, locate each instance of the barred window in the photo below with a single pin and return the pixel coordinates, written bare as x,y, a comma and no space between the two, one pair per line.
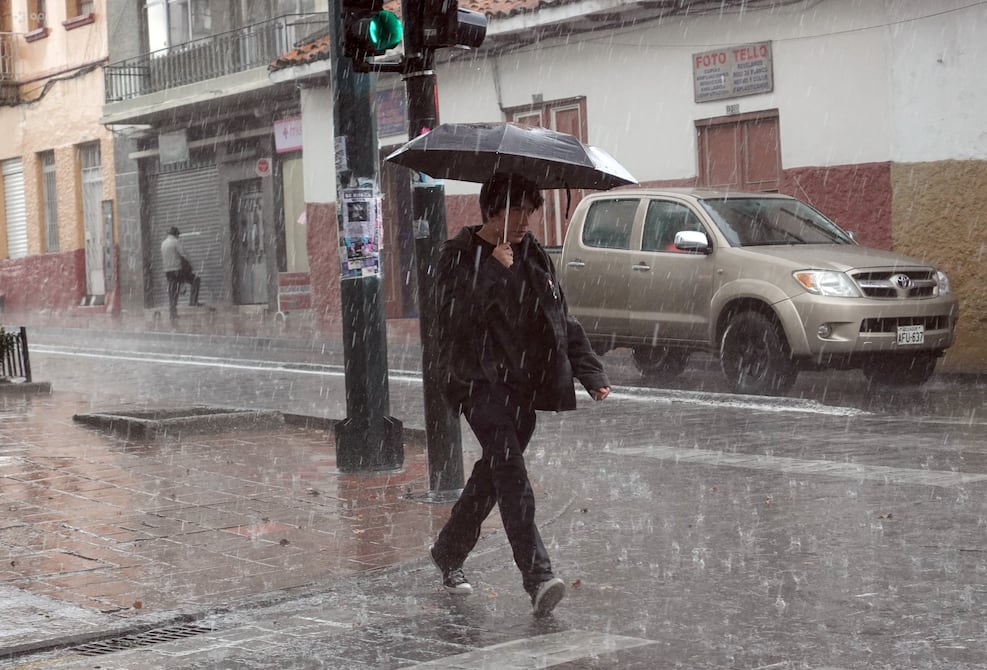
49,194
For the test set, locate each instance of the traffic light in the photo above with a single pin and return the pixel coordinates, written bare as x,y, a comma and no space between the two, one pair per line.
445,24
369,29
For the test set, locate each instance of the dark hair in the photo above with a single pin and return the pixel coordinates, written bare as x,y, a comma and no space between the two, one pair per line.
501,188
174,231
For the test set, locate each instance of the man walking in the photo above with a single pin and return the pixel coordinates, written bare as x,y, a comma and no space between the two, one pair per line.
510,347
178,270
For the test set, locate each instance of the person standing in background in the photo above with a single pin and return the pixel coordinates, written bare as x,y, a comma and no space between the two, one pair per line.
178,271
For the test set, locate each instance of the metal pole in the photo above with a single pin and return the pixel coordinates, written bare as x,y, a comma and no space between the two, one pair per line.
442,430
368,438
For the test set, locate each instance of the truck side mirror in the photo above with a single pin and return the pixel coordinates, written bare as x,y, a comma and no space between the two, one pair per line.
693,241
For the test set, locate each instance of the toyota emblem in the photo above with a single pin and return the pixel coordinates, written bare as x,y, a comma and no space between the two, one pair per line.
902,281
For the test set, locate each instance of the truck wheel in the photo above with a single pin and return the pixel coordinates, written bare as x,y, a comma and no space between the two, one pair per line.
901,370
755,357
664,362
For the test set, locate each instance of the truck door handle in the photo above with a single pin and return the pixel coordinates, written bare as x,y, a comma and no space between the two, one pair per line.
641,267
575,264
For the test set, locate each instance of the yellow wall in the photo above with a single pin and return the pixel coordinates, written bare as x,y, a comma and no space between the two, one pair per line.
61,48
939,213
58,118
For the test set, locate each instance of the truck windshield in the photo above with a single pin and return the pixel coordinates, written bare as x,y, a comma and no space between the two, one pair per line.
751,222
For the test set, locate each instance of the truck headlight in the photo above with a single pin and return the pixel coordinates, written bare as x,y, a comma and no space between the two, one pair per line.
943,282
827,283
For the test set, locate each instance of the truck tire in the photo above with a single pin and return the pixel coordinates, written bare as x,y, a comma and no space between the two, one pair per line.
901,370
663,362
755,357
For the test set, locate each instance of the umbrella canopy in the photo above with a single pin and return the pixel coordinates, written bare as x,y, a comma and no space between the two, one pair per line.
476,151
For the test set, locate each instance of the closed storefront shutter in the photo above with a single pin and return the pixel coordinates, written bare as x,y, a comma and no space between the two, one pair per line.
190,200
13,203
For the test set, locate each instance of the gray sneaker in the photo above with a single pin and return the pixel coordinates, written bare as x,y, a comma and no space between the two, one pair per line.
453,580
548,595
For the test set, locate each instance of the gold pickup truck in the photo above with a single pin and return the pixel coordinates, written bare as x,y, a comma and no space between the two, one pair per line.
762,280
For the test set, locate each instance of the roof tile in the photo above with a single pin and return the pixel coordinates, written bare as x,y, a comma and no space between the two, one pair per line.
318,48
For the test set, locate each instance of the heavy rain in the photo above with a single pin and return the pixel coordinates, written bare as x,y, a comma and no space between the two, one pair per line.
763,215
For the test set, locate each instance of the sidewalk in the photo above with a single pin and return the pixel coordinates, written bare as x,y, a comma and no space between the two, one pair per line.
102,534
693,531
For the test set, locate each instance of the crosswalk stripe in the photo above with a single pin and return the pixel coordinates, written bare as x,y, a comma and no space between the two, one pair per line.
879,473
541,651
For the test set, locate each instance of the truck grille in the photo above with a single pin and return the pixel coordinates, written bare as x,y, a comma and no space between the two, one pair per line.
897,284
891,325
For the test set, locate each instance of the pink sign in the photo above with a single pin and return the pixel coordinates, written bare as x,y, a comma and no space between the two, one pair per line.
288,134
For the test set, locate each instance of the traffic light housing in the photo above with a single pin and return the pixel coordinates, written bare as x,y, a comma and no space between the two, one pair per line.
369,29
446,24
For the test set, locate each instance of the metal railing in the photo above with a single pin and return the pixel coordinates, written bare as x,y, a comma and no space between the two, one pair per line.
8,56
14,360
8,65
252,46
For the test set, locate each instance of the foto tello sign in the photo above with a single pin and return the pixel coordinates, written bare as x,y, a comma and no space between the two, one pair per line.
732,72
288,134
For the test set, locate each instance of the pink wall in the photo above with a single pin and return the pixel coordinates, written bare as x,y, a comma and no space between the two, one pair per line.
52,281
324,269
857,197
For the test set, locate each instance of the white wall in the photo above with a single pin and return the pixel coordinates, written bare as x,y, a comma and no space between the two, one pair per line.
830,76
939,82
317,137
854,82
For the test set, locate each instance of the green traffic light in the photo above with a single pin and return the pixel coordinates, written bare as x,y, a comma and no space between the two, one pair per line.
384,31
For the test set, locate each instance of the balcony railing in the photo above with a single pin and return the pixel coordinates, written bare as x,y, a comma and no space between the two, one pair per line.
8,55
8,61
210,57
15,363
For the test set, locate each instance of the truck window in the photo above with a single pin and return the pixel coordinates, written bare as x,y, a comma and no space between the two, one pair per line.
663,220
609,223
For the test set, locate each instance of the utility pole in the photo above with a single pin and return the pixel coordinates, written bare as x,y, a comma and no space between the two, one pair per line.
443,436
368,438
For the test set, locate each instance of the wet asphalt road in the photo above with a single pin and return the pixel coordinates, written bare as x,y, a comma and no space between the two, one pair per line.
839,527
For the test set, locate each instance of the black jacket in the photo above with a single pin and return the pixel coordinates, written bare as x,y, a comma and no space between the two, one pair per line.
510,325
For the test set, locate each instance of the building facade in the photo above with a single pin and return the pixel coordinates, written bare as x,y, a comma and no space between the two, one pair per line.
207,143
56,188
869,111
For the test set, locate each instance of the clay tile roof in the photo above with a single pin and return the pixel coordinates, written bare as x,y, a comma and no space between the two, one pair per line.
318,48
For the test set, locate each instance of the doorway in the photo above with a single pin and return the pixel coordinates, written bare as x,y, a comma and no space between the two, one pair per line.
247,235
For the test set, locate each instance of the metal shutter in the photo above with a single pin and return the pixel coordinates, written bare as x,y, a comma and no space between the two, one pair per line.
190,200
13,204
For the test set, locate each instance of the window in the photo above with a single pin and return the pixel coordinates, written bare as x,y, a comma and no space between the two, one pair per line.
78,13
49,196
91,170
609,223
741,152
663,220
566,116
171,23
91,177
35,15
14,210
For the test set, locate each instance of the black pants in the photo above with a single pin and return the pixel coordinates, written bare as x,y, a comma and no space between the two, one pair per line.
503,423
175,281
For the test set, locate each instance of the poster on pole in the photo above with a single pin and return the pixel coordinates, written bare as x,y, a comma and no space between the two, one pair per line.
361,234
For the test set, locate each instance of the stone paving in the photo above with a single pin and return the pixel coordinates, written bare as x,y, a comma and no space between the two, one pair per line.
186,522
693,532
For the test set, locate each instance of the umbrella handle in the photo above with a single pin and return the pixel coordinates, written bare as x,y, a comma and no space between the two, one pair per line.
507,210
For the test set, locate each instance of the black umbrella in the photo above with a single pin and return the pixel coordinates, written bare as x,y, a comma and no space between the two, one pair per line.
476,151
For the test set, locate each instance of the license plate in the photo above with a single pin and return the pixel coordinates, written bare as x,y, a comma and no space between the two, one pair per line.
911,334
